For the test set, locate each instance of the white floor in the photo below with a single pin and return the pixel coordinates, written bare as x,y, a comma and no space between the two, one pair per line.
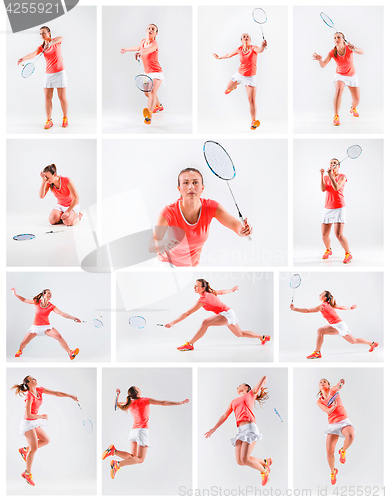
366,257
78,124
222,124
130,122
346,354
308,123
51,486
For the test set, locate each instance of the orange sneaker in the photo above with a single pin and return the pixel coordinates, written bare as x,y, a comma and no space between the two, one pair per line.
228,91
159,108
336,120
314,355
327,254
73,354
255,124
48,124
373,346
23,452
109,451
186,347
342,457
265,339
147,116
354,112
347,258
114,468
28,478
18,354
268,461
265,476
333,476
65,122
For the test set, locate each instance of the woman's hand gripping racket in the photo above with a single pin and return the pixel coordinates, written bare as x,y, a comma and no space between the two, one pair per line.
334,397
329,22
220,163
142,81
353,152
117,398
86,421
295,282
139,322
260,17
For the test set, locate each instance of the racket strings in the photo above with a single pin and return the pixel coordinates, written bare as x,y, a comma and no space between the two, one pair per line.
219,161
259,16
28,70
137,322
354,151
327,20
97,323
295,281
144,83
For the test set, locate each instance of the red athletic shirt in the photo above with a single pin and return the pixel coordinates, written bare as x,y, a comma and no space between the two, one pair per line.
340,412
42,314
140,410
53,58
334,199
344,64
243,408
248,62
329,313
36,402
210,302
62,194
150,61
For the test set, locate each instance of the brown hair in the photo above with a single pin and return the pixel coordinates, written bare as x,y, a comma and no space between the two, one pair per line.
261,397
190,169
206,285
53,171
320,393
44,28
38,297
335,49
132,393
23,387
329,298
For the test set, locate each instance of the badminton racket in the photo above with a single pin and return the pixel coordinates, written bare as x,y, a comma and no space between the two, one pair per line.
142,81
95,322
86,421
116,400
220,163
353,152
30,236
329,22
260,17
295,282
275,409
139,322
332,399
29,68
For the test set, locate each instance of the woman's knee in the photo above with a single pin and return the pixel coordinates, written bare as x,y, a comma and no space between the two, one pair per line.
320,331
33,448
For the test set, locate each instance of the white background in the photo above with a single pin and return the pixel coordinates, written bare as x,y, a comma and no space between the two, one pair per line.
313,86
363,193
168,463
298,330
71,453
123,102
310,423
217,465
219,31
25,97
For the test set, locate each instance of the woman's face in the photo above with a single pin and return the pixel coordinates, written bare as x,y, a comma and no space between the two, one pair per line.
44,34
191,185
322,297
245,38
199,288
334,165
324,384
49,177
241,388
32,382
151,30
47,295
338,39
138,392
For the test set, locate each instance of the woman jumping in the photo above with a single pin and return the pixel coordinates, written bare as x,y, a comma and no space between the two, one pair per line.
148,51
32,423
339,424
224,315
55,77
248,433
41,325
246,73
336,325
67,210
139,435
345,74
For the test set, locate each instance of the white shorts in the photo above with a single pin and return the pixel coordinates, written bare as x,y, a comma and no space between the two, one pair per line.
140,436
250,81
27,425
338,426
342,328
231,317
247,433
40,330
334,216
350,81
63,209
55,80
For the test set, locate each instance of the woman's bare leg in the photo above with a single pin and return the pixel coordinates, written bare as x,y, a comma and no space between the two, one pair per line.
355,96
27,339
247,459
53,333
231,85
139,458
251,95
36,438
55,216
63,100
331,441
352,340
48,102
236,330
339,87
324,330
152,95
339,227
325,235
349,435
216,320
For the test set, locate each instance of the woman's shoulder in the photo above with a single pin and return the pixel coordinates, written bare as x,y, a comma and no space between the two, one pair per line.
207,203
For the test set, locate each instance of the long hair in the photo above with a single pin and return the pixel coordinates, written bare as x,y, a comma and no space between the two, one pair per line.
190,169
206,285
329,298
53,171
38,297
335,49
23,387
261,397
320,393
132,393
44,28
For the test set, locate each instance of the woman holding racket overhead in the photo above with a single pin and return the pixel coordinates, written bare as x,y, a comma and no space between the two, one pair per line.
336,325
55,77
148,51
41,325
247,434
67,210
223,315
139,436
339,423
187,221
246,73
32,423
345,73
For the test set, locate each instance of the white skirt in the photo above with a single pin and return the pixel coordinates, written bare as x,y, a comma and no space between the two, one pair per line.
334,216
247,433
40,330
350,81
55,80
338,426
63,209
342,328
157,76
140,436
231,317
250,81
27,425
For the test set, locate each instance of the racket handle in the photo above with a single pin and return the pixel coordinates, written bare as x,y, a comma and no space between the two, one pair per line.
242,221
159,324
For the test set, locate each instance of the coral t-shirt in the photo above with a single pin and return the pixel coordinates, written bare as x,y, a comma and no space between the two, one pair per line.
36,402
53,58
329,313
248,61
334,199
210,302
339,413
243,408
188,252
63,194
150,61
140,411
42,314
344,64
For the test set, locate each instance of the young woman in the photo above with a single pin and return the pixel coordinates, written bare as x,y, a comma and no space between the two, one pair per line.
336,325
189,220
147,50
248,433
334,209
41,325
345,74
246,73
139,435
67,210
55,77
32,423
224,315
339,424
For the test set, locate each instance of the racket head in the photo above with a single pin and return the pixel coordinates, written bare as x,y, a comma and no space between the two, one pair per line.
354,151
88,425
144,83
97,323
28,70
327,20
24,237
259,16
218,160
137,322
295,281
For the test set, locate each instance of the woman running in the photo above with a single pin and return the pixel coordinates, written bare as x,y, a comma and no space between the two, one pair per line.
248,433
32,423
334,209
147,50
189,219
224,315
41,325
246,73
339,424
345,73
55,77
67,210
336,325
139,435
